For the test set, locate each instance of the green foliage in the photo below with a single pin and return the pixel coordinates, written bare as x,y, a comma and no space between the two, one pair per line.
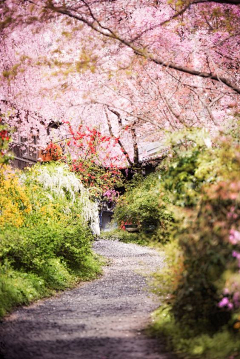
193,199
18,288
165,282
232,128
50,249
144,205
180,179
191,163
202,184
97,178
162,199
221,345
30,249
207,251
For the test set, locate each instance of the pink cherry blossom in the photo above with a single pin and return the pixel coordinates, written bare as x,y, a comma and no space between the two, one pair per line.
234,237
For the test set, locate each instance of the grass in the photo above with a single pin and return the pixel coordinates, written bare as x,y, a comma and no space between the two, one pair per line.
17,288
128,237
36,264
22,288
225,344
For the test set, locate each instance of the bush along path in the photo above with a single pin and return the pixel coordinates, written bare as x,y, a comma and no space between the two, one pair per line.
103,319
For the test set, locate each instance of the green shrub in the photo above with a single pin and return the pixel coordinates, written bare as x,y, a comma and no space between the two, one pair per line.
52,243
223,344
74,248
56,275
30,249
206,248
200,285
143,205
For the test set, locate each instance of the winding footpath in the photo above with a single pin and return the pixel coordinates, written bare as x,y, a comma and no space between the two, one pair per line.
102,319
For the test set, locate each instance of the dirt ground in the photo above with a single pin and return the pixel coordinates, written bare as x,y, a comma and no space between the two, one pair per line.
102,319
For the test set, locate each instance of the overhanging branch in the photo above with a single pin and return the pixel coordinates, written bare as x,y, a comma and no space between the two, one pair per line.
91,21
107,32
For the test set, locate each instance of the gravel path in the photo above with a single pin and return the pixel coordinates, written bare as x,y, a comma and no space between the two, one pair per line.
102,319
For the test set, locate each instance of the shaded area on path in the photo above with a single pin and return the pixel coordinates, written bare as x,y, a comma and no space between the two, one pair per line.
102,319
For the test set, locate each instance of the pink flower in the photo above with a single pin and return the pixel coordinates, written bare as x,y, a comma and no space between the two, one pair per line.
231,214
226,291
234,236
223,303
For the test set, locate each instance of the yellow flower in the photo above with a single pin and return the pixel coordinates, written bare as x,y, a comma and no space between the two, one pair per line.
14,202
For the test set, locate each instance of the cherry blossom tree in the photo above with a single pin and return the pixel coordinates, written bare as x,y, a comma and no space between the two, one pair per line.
136,25
145,65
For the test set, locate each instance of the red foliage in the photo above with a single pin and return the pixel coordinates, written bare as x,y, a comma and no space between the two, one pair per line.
94,159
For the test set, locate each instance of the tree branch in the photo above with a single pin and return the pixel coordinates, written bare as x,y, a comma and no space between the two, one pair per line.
227,2
124,151
91,21
135,145
105,31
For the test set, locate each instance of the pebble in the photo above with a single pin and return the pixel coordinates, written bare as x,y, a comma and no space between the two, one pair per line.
102,319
